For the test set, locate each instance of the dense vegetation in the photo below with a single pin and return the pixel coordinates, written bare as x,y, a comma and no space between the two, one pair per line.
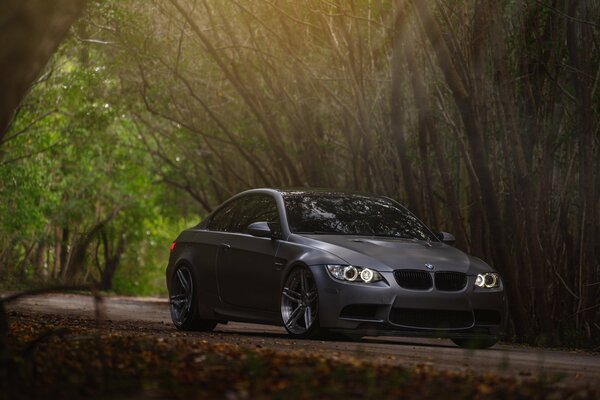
482,116
78,198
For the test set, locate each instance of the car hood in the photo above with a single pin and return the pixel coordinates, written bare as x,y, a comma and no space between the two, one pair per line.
388,254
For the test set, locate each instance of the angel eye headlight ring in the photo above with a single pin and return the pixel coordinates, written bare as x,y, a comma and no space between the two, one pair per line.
350,273
488,280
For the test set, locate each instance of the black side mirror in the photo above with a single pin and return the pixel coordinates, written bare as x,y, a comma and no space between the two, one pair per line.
260,229
447,238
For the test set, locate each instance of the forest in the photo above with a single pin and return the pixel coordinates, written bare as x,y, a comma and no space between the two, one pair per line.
481,116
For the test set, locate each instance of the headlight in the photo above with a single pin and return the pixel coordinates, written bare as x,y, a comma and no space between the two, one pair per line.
351,273
488,280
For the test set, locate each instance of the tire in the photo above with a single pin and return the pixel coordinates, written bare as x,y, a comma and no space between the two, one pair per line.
476,343
300,305
183,301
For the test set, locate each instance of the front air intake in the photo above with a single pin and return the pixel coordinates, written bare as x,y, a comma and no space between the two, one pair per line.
360,311
431,319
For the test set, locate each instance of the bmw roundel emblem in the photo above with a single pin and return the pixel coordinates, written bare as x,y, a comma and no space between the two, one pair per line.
429,266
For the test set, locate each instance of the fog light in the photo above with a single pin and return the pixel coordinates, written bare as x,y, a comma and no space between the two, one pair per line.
350,273
366,275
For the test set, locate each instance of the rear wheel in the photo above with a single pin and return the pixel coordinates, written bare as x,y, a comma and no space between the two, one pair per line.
183,302
300,304
475,343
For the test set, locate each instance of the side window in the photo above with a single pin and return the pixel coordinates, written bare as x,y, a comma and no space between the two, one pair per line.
221,220
255,208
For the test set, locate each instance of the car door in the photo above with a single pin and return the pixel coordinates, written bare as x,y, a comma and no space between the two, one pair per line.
246,271
206,243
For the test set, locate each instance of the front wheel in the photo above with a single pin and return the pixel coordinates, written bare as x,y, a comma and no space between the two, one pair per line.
183,302
476,343
300,304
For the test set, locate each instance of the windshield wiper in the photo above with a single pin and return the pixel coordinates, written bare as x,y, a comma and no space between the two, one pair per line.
317,233
334,233
394,236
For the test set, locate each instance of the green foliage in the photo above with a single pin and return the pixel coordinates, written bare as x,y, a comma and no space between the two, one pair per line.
143,271
73,159
21,194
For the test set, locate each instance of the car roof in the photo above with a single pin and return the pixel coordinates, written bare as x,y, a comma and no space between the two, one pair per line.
323,192
317,192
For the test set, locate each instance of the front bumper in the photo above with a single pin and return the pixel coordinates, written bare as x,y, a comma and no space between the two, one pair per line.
388,309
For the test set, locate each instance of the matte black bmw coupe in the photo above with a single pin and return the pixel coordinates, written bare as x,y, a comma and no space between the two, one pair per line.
320,261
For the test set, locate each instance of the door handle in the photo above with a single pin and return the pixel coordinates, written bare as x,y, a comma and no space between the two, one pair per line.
225,246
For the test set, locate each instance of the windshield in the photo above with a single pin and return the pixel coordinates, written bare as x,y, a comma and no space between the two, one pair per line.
349,214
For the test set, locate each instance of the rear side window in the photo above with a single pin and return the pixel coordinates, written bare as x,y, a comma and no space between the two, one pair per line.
221,220
238,214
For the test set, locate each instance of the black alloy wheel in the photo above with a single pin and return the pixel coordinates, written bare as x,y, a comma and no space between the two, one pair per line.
300,304
183,303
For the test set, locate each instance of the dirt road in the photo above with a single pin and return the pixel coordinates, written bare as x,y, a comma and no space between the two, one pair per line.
152,315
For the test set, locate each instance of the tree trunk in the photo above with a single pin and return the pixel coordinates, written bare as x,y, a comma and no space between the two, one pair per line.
477,152
423,104
580,62
31,31
396,111
39,260
64,250
111,260
78,253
